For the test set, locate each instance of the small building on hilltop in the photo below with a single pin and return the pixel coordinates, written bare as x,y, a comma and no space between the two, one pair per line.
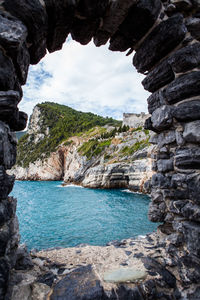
135,120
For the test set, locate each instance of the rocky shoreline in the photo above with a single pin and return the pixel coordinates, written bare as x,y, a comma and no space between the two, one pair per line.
99,158
127,269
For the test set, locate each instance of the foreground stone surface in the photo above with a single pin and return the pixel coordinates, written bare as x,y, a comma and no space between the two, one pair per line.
85,272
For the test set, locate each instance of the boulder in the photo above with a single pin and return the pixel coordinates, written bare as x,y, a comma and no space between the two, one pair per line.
138,21
33,14
187,111
192,132
82,283
161,41
158,77
183,87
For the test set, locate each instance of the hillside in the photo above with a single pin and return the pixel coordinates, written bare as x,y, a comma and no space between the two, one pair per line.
84,149
50,125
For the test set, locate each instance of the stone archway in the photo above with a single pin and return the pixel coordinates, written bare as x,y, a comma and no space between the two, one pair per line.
166,37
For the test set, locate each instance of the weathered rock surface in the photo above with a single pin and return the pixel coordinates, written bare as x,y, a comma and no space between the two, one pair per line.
162,40
183,87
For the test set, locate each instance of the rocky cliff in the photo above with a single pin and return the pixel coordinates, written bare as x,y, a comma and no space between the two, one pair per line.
102,157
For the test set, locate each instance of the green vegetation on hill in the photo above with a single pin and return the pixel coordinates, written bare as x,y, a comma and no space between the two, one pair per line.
62,122
93,148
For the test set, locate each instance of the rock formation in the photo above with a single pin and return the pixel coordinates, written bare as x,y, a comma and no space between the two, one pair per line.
166,37
124,163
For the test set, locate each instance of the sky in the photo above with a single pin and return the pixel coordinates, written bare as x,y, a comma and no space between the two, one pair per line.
88,79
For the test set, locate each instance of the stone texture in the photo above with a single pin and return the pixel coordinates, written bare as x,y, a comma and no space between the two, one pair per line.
183,87
33,15
9,112
158,77
193,26
60,19
162,118
12,37
7,209
7,73
6,183
192,132
186,58
81,283
7,147
187,111
165,165
4,275
188,158
155,101
163,39
116,14
139,20
87,21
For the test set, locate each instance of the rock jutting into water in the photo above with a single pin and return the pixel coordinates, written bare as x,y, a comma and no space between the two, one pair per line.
110,156
165,36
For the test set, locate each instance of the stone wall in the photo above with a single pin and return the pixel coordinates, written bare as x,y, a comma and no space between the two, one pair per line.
166,37
135,120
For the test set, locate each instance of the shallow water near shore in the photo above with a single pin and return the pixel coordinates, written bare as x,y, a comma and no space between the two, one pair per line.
54,216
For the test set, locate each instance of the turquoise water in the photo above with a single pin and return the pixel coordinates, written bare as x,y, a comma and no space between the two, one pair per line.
51,215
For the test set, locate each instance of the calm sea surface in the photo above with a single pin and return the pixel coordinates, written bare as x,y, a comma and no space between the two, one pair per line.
51,215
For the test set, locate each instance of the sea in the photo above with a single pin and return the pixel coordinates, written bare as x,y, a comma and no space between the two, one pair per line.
51,215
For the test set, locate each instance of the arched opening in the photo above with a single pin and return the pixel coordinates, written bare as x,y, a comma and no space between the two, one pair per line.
165,36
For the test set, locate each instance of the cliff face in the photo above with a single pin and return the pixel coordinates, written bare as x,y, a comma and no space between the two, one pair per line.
103,157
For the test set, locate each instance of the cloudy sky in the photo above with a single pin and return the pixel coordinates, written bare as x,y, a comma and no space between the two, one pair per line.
88,79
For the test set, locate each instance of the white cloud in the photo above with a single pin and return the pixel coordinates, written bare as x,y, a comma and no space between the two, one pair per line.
88,79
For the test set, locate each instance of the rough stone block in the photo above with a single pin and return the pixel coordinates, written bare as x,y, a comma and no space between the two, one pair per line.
12,37
7,209
187,158
6,184
189,270
155,101
193,26
193,185
114,16
7,73
192,132
4,276
139,20
83,30
183,87
165,165
162,118
191,232
60,17
21,122
157,212
165,138
187,111
7,147
161,41
158,77
33,14
13,33
191,211
81,283
154,266
87,20
8,107
186,58
160,181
